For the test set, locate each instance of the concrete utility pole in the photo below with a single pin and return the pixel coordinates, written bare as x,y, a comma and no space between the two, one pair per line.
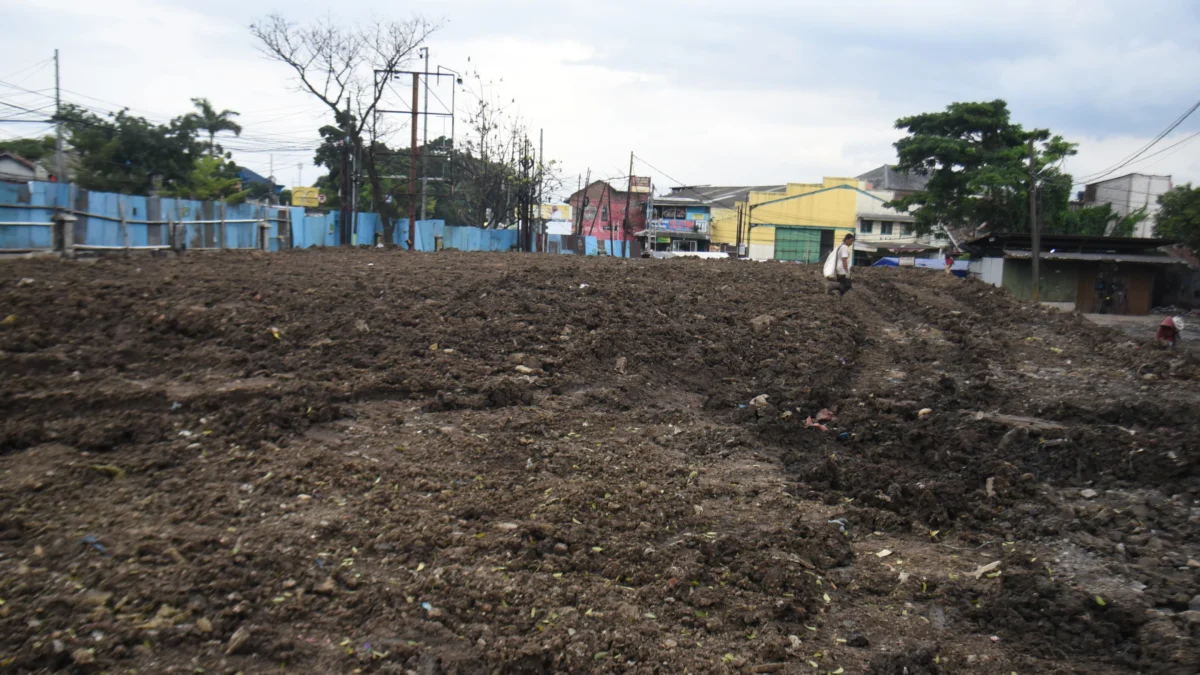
59,161
1035,231
425,138
412,164
628,196
344,188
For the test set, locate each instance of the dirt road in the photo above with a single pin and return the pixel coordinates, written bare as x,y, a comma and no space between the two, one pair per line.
364,461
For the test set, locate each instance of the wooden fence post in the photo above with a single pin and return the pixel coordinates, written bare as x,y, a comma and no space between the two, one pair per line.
221,232
124,223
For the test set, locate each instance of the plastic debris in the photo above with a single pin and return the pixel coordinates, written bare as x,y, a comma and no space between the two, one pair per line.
984,569
883,554
92,541
923,412
810,424
275,332
9,320
844,436
760,401
825,416
841,523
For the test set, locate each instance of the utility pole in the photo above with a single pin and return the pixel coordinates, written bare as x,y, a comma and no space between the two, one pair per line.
412,165
344,203
59,162
628,196
541,178
1035,231
425,138
583,202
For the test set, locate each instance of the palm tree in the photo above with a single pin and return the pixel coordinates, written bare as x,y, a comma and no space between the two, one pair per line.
213,122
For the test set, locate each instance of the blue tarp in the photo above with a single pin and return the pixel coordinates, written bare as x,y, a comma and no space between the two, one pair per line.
959,269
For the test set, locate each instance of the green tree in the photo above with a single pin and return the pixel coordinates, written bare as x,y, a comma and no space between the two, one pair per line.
212,122
1095,221
128,154
1179,216
31,149
211,179
977,162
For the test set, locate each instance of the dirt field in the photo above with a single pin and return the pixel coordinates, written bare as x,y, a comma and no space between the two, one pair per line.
379,462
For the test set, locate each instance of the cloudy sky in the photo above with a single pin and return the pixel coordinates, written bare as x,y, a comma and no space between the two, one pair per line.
748,92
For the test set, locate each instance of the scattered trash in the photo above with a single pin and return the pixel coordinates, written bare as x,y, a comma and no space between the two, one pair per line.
524,370
883,554
841,523
904,576
1089,494
361,326
924,412
111,470
583,285
238,641
426,606
759,401
83,657
621,362
92,541
810,424
9,320
275,333
984,569
844,436
26,281
825,416
176,405
990,486
204,625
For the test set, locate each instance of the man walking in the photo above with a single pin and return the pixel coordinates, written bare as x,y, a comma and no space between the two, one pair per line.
837,266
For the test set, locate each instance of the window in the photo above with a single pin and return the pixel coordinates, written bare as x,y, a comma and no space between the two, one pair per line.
867,227
604,213
908,229
885,227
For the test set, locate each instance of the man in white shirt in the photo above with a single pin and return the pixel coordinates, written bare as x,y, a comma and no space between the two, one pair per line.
837,266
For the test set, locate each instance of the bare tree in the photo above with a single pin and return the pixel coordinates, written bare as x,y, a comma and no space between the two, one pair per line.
340,66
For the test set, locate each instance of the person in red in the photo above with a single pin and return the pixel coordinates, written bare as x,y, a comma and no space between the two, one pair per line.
1169,330
949,264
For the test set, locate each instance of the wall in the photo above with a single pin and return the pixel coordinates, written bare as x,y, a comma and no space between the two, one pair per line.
600,195
723,227
834,209
1059,280
988,270
1130,193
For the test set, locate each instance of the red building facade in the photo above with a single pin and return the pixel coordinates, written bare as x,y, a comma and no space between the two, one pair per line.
604,212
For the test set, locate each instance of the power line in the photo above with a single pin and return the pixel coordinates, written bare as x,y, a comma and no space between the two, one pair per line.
1128,160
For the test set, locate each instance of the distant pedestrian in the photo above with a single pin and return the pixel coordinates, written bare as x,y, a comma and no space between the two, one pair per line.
1169,330
837,266
949,264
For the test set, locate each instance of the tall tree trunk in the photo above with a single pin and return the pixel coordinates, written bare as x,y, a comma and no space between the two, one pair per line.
381,201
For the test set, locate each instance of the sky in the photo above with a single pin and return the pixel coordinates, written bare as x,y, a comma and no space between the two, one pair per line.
702,92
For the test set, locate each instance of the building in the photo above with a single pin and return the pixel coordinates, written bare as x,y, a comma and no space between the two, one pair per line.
883,228
16,168
250,177
1106,275
600,212
723,201
801,223
677,224
1130,193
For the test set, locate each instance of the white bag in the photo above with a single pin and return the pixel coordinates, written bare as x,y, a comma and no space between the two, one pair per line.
830,270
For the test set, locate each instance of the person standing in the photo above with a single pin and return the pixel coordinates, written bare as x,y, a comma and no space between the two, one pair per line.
837,266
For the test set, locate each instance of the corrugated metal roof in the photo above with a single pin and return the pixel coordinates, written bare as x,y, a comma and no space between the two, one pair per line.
887,177
1096,257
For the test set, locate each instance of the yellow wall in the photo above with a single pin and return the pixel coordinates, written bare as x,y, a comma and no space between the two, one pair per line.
835,209
723,226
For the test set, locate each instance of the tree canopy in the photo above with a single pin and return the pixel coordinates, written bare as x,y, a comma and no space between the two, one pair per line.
1179,216
31,149
129,154
977,162
207,119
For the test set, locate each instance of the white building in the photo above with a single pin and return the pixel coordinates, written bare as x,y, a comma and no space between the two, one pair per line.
882,227
17,168
1130,193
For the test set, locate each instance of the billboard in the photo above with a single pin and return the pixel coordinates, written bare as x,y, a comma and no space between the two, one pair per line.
308,197
555,212
639,184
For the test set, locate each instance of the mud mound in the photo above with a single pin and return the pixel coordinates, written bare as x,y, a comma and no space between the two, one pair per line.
384,462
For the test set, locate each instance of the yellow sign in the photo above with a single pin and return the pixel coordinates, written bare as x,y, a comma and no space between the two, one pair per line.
555,212
639,184
308,197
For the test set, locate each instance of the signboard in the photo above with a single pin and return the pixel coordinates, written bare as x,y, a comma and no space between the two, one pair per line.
308,197
559,227
675,225
639,184
553,212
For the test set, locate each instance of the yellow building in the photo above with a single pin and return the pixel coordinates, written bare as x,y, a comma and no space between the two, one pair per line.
786,225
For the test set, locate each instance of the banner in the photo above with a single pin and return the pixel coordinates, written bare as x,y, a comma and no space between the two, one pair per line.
308,197
554,212
639,184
